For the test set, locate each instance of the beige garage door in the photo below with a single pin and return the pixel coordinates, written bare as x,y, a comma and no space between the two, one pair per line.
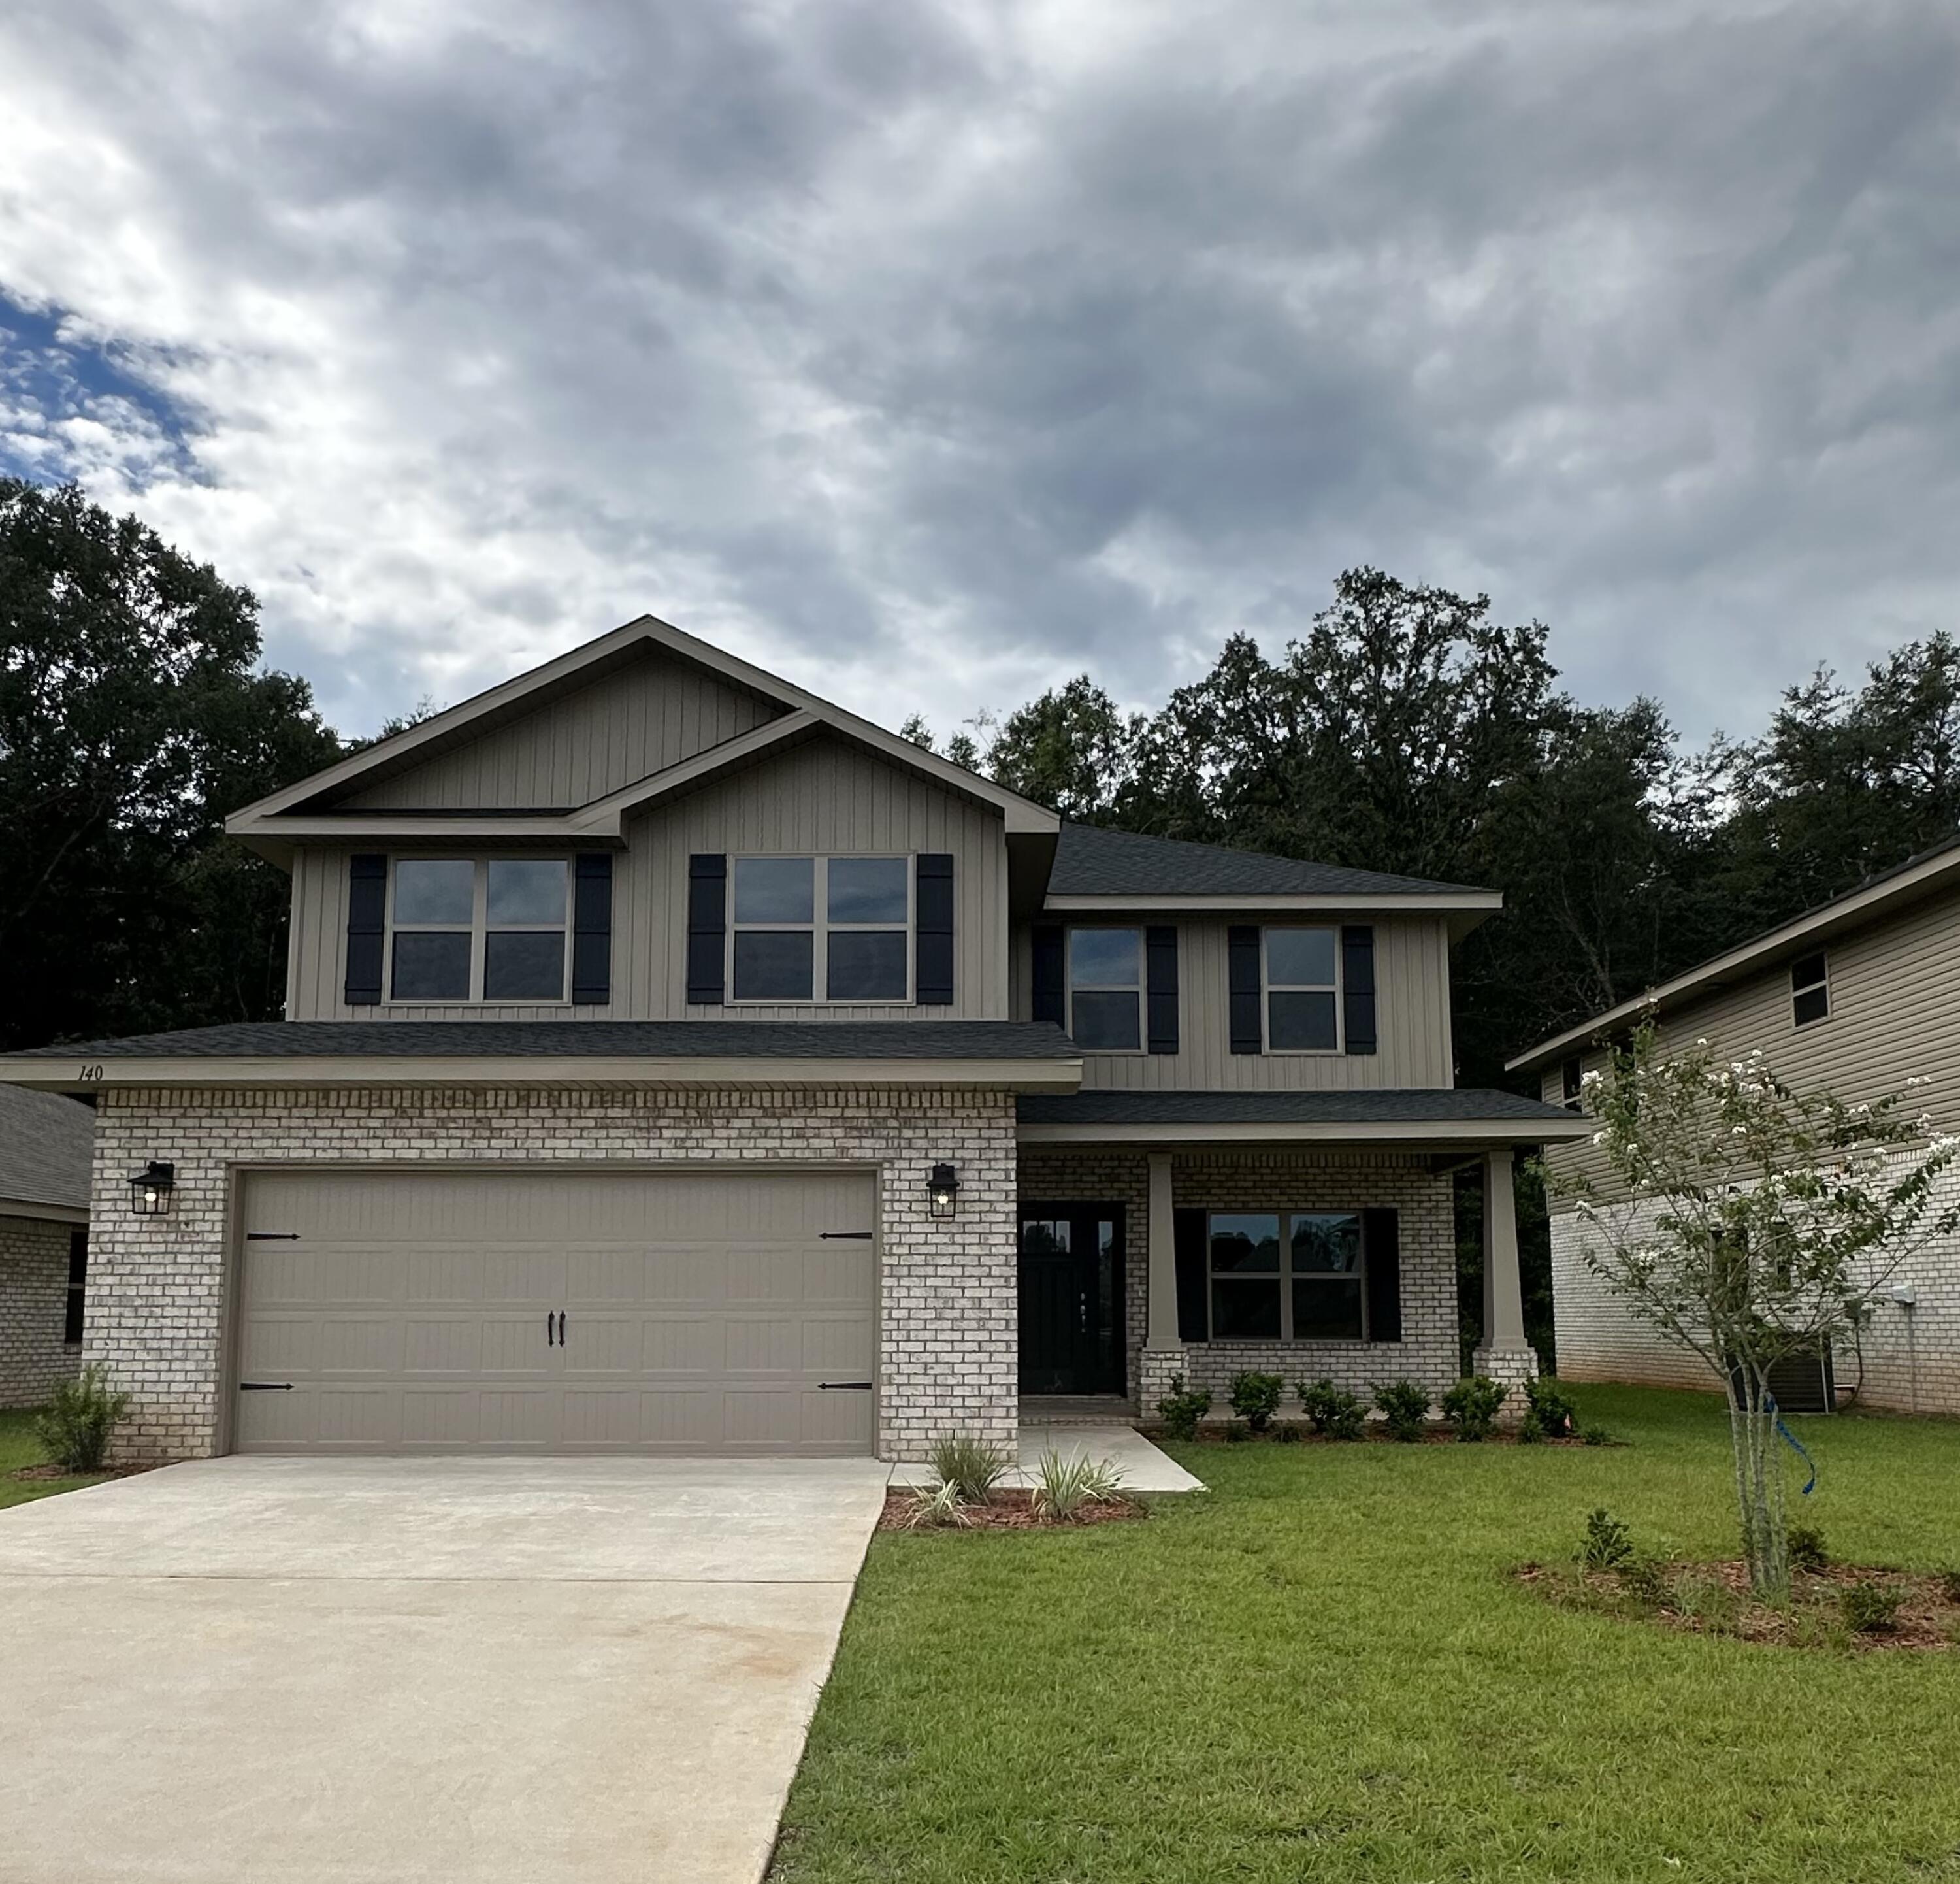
557,1311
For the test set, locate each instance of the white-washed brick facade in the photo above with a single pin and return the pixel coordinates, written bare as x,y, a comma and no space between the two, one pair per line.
1280,1180
33,1308
946,1306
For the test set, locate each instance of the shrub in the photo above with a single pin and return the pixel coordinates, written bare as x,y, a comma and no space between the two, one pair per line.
1255,1399
1645,1579
936,1505
1806,1548
1182,1408
970,1466
1531,1434
75,1427
1949,1585
1870,1608
1596,1436
1548,1404
1607,1544
1405,1407
1472,1406
1333,1411
1064,1485
1237,1432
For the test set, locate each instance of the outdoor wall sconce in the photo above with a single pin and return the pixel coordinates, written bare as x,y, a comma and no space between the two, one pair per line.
942,1190
150,1189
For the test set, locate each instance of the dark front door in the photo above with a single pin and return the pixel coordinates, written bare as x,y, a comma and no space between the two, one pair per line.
1072,1298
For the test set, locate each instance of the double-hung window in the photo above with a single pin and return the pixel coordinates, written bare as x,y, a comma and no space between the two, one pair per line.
1285,1275
1810,989
478,930
1302,991
75,1311
1106,990
822,929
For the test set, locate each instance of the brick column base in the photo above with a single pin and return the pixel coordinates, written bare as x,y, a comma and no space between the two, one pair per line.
1158,1371
1510,1367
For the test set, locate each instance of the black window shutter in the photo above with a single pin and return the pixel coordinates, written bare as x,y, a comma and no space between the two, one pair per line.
707,928
932,943
1160,954
592,928
1194,1323
1049,1003
1242,956
1382,1257
366,909
1358,986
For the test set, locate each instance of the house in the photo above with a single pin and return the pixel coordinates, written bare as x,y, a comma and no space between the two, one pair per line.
47,1142
675,1061
1854,997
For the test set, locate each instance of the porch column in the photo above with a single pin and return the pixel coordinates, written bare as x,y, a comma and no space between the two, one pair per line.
1162,1359
1505,1354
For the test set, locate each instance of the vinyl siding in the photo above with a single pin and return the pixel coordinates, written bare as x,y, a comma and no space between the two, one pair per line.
636,721
1412,1020
825,796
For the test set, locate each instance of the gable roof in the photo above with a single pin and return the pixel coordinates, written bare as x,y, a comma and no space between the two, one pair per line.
1928,872
1091,861
47,1144
297,811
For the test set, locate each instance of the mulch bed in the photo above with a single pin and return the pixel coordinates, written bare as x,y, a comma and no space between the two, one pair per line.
1374,1433
40,1474
1928,1618
1009,1511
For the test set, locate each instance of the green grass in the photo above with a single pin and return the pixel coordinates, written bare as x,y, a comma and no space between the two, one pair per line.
1320,1671
18,1447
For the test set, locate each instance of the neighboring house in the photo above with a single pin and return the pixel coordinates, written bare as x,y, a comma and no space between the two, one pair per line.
1855,997
46,1143
676,1062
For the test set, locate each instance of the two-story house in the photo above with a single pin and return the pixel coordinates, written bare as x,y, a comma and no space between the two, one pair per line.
1853,998
675,1061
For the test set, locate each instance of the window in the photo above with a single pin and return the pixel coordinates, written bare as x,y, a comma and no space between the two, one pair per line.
484,930
1809,989
1106,990
848,918
1571,1081
1285,1275
1302,1013
75,1311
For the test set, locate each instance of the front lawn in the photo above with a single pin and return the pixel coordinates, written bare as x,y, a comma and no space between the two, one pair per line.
18,1447
1321,1671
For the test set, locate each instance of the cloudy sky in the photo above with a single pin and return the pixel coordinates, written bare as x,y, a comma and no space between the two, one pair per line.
932,351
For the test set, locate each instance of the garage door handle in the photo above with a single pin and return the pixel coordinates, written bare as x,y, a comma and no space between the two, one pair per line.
844,1236
264,1386
833,1386
560,1327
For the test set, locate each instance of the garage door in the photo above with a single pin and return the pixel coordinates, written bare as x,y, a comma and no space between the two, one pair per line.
557,1311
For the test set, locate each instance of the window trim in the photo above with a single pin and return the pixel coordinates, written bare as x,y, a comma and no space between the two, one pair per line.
479,932
820,927
1068,984
1284,1277
1268,986
1822,985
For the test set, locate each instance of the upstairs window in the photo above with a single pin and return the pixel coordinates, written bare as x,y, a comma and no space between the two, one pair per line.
1571,1081
1106,990
841,923
481,930
1302,991
1810,989
1285,1275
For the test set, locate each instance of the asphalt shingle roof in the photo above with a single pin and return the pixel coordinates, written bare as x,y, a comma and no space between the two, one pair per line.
1090,861
657,1039
1395,1106
47,1141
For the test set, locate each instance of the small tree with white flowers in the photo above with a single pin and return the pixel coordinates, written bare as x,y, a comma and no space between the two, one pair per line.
1749,1221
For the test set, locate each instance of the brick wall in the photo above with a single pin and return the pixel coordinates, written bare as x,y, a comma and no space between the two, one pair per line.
947,1312
33,1306
1282,1180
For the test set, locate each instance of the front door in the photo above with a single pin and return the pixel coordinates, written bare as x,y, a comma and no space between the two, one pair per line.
1071,1298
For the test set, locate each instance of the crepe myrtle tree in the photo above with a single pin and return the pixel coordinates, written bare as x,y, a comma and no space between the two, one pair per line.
1749,1221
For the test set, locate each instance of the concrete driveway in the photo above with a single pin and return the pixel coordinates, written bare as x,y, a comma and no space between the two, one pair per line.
406,1669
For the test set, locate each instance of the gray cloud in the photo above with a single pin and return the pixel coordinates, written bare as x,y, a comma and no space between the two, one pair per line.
933,352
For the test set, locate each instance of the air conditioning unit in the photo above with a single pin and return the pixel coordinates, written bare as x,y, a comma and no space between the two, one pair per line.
1802,1383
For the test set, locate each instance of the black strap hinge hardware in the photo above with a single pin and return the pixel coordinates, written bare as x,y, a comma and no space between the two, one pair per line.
271,1235
844,1236
264,1386
833,1386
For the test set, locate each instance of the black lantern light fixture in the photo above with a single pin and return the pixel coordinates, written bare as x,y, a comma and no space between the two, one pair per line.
150,1189
942,1190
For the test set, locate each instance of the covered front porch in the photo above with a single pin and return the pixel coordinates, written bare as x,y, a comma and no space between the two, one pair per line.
1196,1236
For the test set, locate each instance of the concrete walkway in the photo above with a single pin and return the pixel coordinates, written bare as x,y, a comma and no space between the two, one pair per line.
1144,1467
544,1670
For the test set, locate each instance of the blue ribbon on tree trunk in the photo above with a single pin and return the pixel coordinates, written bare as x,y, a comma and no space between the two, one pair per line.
1794,1443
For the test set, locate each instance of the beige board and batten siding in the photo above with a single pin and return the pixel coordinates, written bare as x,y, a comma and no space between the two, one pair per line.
1412,1014
628,724
825,796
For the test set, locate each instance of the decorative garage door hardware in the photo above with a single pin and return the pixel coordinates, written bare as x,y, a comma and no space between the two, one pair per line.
844,1236
264,1386
834,1386
271,1235
560,1341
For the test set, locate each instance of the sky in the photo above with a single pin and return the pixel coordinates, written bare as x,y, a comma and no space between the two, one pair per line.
930,351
